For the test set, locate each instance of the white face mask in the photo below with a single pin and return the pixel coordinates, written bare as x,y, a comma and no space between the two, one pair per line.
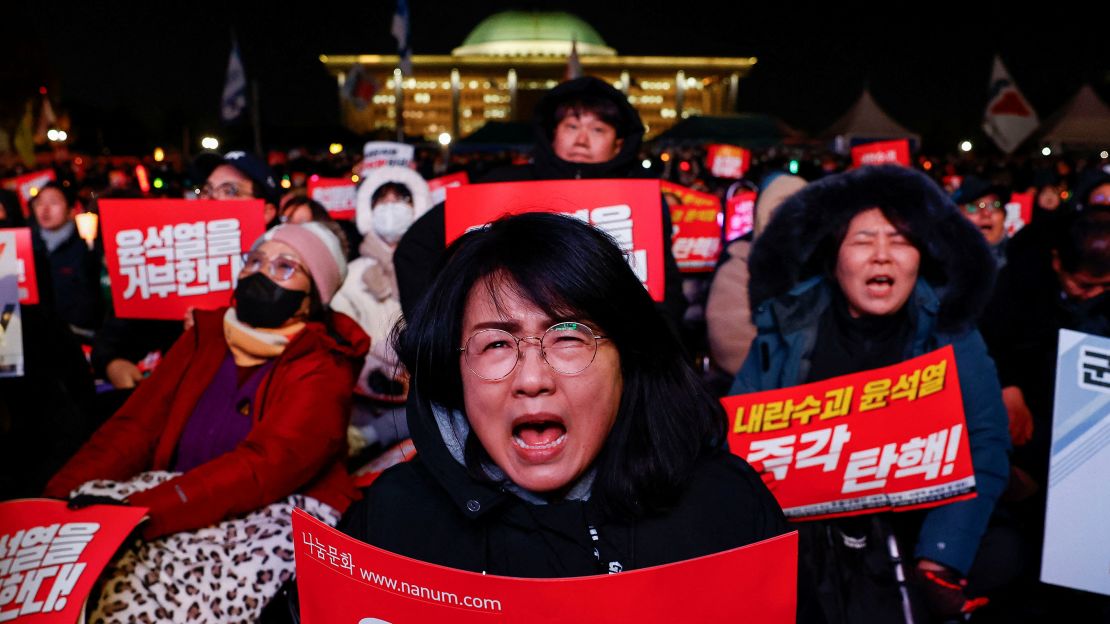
391,219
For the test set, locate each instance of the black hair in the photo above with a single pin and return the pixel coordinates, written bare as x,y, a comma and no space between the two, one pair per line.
604,109
1083,242
398,189
67,193
666,418
319,213
830,246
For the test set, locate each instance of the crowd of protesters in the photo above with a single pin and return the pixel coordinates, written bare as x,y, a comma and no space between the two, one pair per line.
846,270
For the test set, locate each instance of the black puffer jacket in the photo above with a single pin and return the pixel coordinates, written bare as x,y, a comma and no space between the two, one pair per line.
419,250
432,509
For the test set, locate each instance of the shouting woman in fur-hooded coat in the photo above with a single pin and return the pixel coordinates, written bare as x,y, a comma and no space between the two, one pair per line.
867,269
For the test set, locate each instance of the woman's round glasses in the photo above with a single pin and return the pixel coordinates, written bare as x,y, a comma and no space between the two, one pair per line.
280,267
567,347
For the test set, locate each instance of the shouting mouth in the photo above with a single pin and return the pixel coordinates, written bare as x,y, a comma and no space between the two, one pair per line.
538,436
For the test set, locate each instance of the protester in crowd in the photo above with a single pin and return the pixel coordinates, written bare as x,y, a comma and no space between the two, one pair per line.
1048,191
858,271
241,175
74,267
126,350
44,413
1069,289
243,420
301,209
585,129
11,215
983,203
727,313
559,430
389,201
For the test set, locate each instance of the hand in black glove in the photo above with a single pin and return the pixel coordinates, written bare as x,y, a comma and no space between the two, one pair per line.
945,591
84,500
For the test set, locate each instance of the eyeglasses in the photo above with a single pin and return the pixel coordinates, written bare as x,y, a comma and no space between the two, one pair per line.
983,205
280,267
567,347
227,190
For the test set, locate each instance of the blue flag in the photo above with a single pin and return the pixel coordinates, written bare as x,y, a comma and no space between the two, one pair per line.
400,31
234,100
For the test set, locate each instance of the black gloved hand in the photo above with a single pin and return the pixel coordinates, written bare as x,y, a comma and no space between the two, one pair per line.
84,500
945,592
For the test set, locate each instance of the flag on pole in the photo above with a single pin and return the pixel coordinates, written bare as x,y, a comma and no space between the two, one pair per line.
47,118
24,139
400,31
574,66
1009,119
359,87
234,100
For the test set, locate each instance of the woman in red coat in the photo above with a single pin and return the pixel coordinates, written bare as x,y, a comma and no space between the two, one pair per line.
244,419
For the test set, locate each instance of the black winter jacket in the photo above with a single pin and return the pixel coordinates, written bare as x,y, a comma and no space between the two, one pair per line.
431,509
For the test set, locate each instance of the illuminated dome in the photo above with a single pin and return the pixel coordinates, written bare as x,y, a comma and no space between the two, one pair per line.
532,33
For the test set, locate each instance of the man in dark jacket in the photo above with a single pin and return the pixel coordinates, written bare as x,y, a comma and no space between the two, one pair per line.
74,267
124,344
585,129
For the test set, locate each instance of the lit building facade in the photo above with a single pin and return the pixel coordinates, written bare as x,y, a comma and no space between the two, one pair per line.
505,65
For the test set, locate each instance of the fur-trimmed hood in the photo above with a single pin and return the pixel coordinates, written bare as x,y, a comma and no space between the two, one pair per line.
421,195
804,236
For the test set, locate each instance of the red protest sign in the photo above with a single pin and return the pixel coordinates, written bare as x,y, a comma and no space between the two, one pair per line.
340,579
337,195
695,227
166,255
1019,212
628,210
438,186
739,215
25,265
727,161
889,438
27,185
882,153
50,556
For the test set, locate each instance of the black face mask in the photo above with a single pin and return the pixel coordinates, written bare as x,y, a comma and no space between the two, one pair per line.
259,302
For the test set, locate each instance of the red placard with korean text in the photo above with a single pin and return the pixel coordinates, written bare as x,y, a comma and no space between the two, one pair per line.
739,215
336,194
727,161
50,556
696,227
438,186
166,255
25,261
882,153
340,579
27,185
1019,212
892,438
628,210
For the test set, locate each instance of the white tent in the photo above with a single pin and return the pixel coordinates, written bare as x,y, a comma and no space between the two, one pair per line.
866,121
1084,121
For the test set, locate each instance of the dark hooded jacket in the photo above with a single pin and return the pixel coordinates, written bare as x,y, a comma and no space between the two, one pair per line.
791,290
432,509
419,250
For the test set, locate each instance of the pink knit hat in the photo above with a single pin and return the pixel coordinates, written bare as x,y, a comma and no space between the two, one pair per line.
318,248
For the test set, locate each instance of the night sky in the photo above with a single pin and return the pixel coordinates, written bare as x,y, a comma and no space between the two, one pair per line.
133,74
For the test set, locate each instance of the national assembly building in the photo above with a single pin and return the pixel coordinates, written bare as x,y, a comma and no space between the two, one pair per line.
506,63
